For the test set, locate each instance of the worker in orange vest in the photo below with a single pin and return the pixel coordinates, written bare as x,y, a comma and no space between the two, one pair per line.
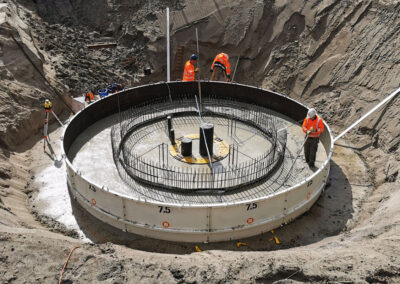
89,97
313,126
190,70
221,66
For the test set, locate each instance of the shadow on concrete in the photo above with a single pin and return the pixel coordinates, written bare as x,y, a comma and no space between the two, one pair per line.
327,217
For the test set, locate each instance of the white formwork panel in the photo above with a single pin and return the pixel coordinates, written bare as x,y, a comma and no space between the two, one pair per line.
167,234
245,231
98,197
196,223
98,213
185,218
246,214
301,208
306,190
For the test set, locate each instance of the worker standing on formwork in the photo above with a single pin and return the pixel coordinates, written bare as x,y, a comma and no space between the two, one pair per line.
221,67
190,70
313,126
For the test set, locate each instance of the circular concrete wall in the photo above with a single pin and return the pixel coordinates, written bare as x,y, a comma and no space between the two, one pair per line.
193,222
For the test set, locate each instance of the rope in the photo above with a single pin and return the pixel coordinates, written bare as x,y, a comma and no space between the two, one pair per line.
65,264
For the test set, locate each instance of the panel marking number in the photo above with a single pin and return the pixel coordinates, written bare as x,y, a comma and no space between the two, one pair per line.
164,209
251,206
92,188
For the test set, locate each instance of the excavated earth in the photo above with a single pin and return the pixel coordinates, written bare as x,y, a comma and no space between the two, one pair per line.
341,57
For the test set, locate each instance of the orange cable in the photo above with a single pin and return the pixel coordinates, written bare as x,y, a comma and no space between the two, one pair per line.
65,264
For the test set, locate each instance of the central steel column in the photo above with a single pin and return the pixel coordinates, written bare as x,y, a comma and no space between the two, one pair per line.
206,138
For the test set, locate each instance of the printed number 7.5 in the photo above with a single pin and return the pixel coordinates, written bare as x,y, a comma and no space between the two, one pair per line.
251,206
164,209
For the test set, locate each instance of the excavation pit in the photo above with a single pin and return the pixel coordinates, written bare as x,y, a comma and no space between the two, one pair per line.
124,160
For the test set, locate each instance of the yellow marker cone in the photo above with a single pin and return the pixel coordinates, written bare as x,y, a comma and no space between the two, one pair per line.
238,244
277,241
198,249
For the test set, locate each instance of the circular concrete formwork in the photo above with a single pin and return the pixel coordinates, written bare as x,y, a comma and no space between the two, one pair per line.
213,218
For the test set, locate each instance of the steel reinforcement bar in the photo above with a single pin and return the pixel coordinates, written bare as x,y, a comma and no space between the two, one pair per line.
238,175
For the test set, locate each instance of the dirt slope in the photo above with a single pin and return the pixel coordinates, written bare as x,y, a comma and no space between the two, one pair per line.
340,56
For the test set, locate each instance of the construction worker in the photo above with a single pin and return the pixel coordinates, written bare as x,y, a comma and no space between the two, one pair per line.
47,105
221,67
190,70
313,126
89,97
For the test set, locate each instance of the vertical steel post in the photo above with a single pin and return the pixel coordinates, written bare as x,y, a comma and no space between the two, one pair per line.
168,51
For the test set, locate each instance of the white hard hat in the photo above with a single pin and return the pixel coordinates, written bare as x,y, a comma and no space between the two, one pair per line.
47,100
311,113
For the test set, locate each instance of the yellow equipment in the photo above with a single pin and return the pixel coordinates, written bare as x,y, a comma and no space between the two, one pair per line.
47,104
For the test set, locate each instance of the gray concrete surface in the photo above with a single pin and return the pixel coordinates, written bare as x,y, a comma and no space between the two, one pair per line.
91,153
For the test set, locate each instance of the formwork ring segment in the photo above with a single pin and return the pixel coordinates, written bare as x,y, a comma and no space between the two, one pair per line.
209,215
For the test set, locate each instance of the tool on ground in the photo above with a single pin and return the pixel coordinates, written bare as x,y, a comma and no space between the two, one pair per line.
238,244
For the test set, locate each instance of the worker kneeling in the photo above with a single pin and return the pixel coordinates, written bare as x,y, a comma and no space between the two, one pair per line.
89,97
190,70
221,68
313,126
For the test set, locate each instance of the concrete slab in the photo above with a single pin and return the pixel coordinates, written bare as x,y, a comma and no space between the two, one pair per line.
91,153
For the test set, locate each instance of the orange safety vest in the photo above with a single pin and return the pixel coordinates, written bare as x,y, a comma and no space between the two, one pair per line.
89,96
223,59
188,73
317,125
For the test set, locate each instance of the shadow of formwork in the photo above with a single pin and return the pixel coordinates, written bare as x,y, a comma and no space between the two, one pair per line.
327,217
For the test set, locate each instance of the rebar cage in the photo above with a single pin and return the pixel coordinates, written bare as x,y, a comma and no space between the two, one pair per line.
235,173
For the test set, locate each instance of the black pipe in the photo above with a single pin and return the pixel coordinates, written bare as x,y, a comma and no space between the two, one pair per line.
206,139
186,147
